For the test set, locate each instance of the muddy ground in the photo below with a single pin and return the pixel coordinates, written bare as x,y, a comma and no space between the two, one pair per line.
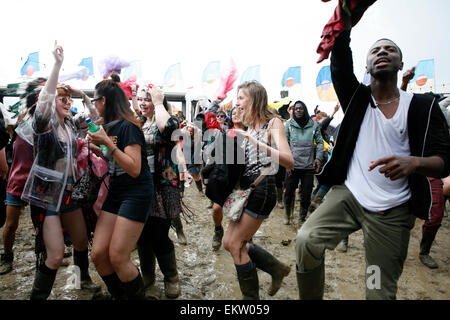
209,275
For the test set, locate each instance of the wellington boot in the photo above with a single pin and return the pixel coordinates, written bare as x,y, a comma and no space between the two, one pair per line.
311,283
317,200
287,214
6,262
425,247
168,265
81,259
148,264
268,263
134,289
176,222
42,286
248,281
217,239
280,198
115,287
303,214
199,186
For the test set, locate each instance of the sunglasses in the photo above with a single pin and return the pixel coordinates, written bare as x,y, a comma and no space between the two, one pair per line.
144,99
65,100
96,99
221,116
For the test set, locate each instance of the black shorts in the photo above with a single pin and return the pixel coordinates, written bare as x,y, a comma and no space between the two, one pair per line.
263,199
129,201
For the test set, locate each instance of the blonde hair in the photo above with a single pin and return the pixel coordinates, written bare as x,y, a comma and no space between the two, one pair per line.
259,105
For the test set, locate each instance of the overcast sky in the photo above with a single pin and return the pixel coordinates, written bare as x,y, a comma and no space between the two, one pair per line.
275,34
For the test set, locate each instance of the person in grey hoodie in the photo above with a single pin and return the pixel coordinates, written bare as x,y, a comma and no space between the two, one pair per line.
306,143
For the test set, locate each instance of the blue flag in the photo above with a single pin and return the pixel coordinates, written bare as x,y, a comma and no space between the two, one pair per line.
211,72
324,85
31,65
294,73
173,77
251,73
134,69
423,80
88,63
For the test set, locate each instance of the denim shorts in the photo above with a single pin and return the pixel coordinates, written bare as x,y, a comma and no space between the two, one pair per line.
131,201
261,200
194,168
16,201
67,204
180,168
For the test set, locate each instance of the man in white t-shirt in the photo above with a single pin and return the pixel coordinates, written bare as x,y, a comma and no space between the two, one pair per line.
388,143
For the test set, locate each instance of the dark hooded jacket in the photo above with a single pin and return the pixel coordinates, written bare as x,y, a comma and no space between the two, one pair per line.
305,141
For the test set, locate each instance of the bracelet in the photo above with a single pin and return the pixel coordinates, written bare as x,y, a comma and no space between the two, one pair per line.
114,150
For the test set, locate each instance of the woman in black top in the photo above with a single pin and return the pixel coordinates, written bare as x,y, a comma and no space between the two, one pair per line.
126,207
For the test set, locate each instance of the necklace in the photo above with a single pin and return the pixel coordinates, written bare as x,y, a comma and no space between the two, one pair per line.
389,102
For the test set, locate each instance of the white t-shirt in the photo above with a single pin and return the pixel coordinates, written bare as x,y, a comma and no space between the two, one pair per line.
378,138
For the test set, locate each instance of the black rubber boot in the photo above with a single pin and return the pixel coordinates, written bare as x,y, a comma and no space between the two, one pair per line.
168,265
317,200
199,186
248,280
288,208
81,259
217,238
425,247
148,264
303,213
43,283
6,262
176,223
280,198
134,290
268,263
182,188
114,286
311,283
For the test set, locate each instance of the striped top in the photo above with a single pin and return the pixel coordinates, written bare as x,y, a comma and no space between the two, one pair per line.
255,159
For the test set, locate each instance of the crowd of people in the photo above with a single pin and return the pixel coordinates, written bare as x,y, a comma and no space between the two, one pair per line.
385,164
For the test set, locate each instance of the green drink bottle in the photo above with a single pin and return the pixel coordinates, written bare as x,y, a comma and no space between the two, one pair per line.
93,127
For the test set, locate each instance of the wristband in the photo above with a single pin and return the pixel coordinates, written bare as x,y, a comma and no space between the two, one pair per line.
114,150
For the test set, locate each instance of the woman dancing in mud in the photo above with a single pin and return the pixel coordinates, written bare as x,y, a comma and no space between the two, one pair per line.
265,144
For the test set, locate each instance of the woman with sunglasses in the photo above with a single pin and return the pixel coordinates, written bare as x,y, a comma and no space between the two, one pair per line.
154,242
266,145
50,181
130,194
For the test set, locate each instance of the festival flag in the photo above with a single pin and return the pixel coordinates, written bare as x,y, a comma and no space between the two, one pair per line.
134,70
324,85
173,78
251,73
423,80
31,65
291,77
88,63
211,73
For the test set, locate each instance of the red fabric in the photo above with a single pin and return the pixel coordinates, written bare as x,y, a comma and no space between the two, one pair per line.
336,24
437,208
211,121
99,166
22,161
126,86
